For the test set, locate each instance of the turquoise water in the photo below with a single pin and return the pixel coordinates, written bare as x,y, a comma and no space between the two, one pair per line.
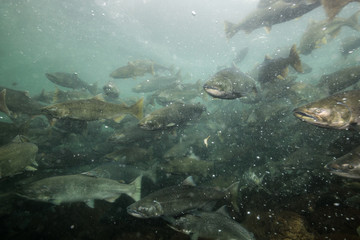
93,38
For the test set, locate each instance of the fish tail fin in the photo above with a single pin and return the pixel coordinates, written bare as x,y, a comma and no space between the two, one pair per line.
232,194
3,106
136,194
294,59
332,8
353,21
137,109
93,88
230,29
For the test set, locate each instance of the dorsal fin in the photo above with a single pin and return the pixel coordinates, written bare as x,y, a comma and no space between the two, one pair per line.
223,211
99,97
189,181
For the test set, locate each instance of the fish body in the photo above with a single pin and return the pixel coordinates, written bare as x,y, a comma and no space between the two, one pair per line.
80,188
92,109
156,83
111,91
175,200
339,111
133,134
13,102
349,45
340,80
231,83
70,80
276,12
240,56
187,166
318,33
173,115
117,171
347,165
137,68
211,225
271,69
17,157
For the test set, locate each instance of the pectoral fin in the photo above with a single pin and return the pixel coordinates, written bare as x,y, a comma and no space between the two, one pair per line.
90,203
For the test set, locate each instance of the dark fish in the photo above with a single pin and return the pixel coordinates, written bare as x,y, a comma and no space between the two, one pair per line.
333,7
80,188
187,166
339,111
319,33
70,80
111,91
118,171
93,109
347,165
178,93
133,134
349,45
13,102
240,56
340,80
277,12
17,157
211,225
174,115
176,200
157,83
138,68
231,83
271,69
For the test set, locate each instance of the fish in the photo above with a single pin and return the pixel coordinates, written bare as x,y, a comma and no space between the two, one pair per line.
211,225
9,130
79,188
58,96
347,165
130,155
157,83
339,80
240,56
277,12
171,116
110,90
338,111
319,33
188,165
138,68
349,45
231,83
333,7
277,68
17,157
93,109
14,102
71,80
178,199
177,93
133,134
118,171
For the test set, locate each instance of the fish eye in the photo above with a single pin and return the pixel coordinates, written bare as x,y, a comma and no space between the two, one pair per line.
350,166
318,110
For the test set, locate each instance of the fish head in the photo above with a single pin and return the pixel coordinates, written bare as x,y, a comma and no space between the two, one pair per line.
346,166
325,114
185,224
145,209
39,192
149,123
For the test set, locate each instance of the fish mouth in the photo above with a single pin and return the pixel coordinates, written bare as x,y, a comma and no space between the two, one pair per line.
135,213
50,76
304,116
213,91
